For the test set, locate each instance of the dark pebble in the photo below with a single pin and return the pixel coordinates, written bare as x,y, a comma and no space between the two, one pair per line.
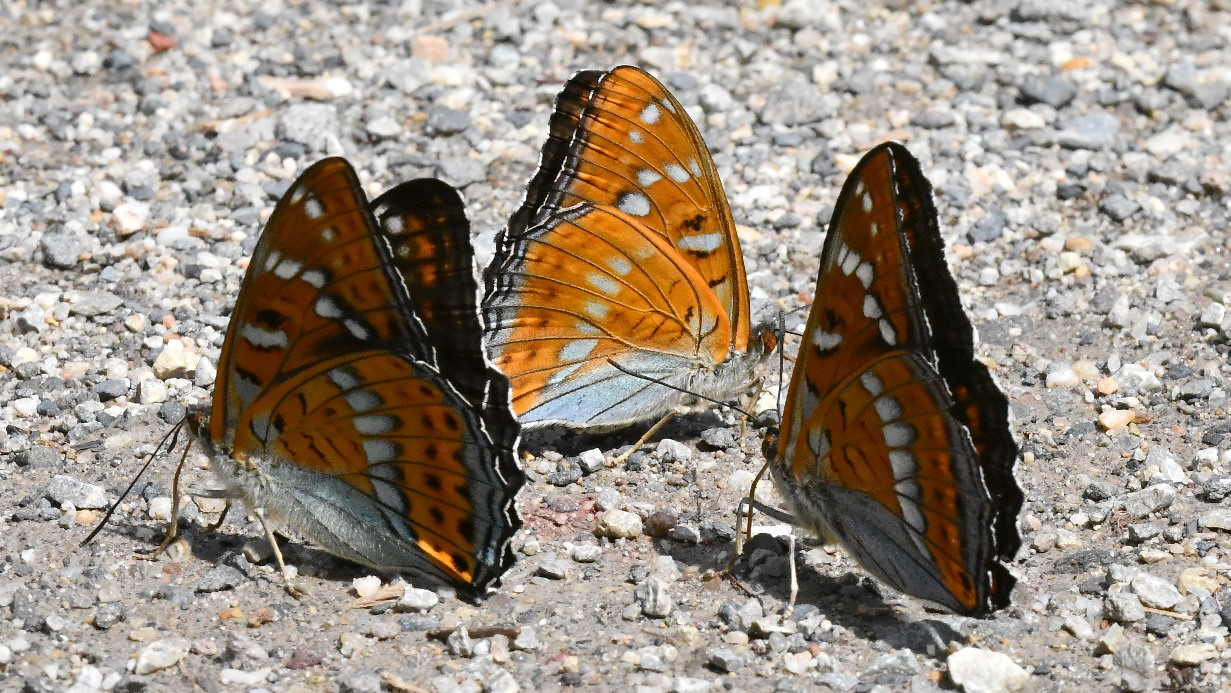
40,457
224,577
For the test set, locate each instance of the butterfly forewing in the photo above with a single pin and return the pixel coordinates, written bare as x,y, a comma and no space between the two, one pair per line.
884,407
316,286
354,386
624,249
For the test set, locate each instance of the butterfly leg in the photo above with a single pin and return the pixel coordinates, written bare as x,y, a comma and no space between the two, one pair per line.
291,588
645,438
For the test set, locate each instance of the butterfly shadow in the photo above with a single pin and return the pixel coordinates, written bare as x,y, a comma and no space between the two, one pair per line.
857,603
571,442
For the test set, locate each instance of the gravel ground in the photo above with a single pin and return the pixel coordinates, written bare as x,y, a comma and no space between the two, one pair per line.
1080,156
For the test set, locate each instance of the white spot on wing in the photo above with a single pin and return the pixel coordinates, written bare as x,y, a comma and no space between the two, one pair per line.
849,261
705,243
904,464
327,308
603,283
888,408
898,435
826,340
646,177
362,400
872,383
577,349
377,451
865,273
355,328
262,338
620,266
888,334
634,203
677,173
649,115
871,309
313,209
596,310
316,278
374,424
288,268
344,379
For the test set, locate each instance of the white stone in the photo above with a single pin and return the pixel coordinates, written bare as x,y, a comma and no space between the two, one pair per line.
619,524
1154,591
160,654
415,599
977,670
365,586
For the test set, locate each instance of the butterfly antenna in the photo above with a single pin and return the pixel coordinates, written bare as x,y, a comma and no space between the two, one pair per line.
625,371
174,436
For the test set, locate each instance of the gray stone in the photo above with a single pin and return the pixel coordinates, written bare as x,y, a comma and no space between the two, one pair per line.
591,460
1118,207
1124,607
462,171
727,661
1216,519
223,577
65,489
654,599
40,457
415,599
62,251
1053,91
1094,131
443,121
308,123
669,450
1154,591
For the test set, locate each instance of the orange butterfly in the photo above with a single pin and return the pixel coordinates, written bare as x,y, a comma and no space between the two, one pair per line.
895,440
624,251
354,402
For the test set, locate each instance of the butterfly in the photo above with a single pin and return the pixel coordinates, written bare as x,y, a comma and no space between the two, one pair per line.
621,265
895,440
354,402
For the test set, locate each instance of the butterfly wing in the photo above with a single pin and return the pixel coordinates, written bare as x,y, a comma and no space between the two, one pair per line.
626,197
331,387
895,438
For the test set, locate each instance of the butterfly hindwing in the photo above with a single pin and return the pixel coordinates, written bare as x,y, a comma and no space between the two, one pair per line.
895,439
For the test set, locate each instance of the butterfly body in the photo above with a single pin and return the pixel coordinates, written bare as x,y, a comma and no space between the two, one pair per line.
623,252
895,439
354,402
